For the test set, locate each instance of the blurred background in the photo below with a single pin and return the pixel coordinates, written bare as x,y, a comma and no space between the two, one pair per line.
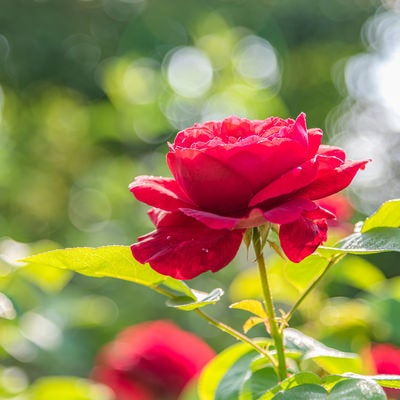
90,93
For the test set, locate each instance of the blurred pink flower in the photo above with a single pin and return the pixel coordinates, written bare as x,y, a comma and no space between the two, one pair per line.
151,361
385,359
339,205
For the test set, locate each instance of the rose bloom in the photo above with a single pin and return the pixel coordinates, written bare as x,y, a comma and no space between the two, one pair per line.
151,361
236,174
385,359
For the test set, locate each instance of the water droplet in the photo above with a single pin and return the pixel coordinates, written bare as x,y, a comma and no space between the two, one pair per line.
204,250
168,237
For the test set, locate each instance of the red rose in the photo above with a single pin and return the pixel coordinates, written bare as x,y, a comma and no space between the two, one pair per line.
236,174
151,361
385,359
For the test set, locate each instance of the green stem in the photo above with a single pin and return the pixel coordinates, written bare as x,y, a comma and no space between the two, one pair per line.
237,335
223,327
276,333
296,305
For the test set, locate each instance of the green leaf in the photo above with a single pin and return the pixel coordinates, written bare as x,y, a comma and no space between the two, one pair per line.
357,389
67,388
303,392
178,286
302,378
257,383
331,360
388,215
253,306
225,374
301,275
336,362
376,240
388,381
108,261
201,299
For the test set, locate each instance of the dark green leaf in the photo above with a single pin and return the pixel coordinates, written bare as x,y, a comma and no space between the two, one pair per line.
302,378
303,392
388,381
376,240
357,389
331,360
257,383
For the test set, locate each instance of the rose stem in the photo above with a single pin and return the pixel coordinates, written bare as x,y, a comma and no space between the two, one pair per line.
223,327
295,306
276,333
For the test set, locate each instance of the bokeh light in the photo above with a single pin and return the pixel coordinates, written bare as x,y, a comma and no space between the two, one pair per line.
368,122
189,72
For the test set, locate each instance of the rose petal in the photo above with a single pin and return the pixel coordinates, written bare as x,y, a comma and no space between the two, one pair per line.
290,182
331,181
159,192
300,238
210,183
332,151
314,141
186,248
214,221
289,211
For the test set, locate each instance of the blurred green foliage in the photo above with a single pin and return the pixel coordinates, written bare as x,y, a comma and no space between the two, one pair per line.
90,91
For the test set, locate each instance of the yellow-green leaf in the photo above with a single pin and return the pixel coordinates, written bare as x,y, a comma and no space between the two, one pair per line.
108,261
388,215
253,306
251,322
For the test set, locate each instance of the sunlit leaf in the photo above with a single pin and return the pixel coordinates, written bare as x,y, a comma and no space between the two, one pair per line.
202,299
253,306
252,322
388,215
336,362
107,261
224,376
